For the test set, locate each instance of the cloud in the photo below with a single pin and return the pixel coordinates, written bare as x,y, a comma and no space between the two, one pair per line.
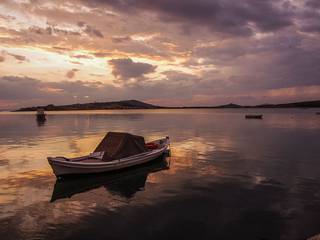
18,92
24,91
206,50
181,78
81,24
7,17
125,69
39,30
120,39
229,17
288,59
93,32
18,57
82,56
309,21
102,54
90,30
312,3
75,62
52,30
61,49
70,74
15,88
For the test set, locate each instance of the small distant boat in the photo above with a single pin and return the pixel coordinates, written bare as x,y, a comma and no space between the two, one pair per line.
116,151
41,116
254,116
318,113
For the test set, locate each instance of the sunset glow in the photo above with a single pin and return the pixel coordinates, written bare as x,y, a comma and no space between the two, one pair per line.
173,53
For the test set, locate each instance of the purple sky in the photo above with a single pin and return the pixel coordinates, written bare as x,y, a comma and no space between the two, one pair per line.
166,52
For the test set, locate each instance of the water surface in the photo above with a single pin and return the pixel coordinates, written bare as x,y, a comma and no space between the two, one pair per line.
227,177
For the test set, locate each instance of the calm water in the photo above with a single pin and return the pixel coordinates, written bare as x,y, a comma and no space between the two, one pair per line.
226,178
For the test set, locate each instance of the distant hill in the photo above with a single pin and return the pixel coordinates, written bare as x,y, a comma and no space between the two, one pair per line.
134,104
306,104
230,105
126,104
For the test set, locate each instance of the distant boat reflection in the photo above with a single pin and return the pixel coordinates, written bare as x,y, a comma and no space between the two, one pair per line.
40,122
124,183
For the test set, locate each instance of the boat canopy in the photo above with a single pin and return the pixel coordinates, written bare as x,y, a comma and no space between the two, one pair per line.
116,145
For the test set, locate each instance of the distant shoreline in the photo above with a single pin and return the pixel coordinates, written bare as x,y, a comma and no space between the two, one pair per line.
136,105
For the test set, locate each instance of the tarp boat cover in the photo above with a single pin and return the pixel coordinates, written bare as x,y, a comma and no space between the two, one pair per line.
117,145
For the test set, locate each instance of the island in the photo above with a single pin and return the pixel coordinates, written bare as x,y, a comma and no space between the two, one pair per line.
135,104
126,104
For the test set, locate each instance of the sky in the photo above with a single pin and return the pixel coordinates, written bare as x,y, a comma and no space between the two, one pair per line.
164,52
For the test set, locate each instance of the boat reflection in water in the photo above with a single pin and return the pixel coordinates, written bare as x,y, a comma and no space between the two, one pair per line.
41,117
124,183
40,122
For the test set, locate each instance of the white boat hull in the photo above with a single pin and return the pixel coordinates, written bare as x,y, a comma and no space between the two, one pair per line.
62,166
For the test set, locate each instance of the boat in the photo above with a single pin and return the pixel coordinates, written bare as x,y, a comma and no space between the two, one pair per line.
254,116
318,113
116,151
124,183
41,116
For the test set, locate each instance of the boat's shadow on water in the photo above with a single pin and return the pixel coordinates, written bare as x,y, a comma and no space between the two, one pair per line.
124,183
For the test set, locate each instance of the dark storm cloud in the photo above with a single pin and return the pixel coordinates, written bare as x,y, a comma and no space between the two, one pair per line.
124,69
231,17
